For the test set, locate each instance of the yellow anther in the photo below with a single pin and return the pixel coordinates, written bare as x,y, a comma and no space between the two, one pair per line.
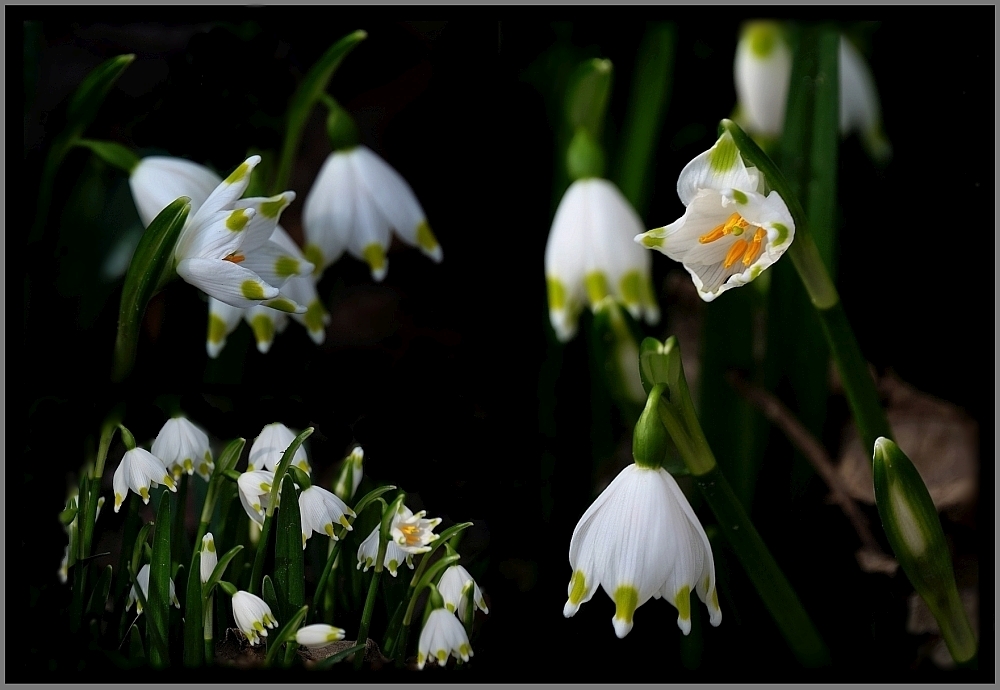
735,252
734,221
753,251
235,257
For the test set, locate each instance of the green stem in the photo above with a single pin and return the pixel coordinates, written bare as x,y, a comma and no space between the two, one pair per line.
257,574
324,579
763,571
208,627
366,616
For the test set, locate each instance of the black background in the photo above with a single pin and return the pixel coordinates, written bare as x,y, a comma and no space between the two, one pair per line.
435,370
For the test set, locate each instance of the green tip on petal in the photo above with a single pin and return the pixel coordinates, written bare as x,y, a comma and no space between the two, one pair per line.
652,242
722,156
314,256
251,289
763,38
239,173
596,284
238,219
272,208
286,266
577,587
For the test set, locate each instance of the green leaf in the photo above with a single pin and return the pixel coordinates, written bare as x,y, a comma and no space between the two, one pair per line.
67,516
289,578
587,96
137,549
231,454
153,258
648,99
286,633
338,657
360,506
158,606
269,596
135,649
301,104
112,153
194,642
99,597
220,569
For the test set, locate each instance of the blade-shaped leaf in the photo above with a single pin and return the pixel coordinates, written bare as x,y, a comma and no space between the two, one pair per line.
194,643
153,258
158,604
288,553
220,569
269,596
135,649
286,633
587,96
99,597
338,657
92,91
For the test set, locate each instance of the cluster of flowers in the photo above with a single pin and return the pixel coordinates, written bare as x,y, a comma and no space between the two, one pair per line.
182,447
234,249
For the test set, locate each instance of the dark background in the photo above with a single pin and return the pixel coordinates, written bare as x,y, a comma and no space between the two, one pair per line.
436,370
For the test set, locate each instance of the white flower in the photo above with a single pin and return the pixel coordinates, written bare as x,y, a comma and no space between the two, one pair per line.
590,255
180,444
455,585
143,579
64,566
443,634
271,444
319,510
137,471
763,68
355,203
252,615
641,539
209,558
264,321
394,556
413,533
318,635
351,471
255,489
224,248
730,231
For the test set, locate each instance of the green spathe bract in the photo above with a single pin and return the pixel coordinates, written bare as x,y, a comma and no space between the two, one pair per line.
914,531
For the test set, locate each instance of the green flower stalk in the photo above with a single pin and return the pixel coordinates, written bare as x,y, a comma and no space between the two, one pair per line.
914,530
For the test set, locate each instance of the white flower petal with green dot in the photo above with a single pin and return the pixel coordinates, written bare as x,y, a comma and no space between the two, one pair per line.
271,444
142,577
139,470
318,635
254,488
209,557
252,615
443,635
414,533
321,511
455,586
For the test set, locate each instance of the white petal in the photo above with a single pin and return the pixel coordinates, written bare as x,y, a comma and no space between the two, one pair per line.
762,71
274,264
209,557
318,635
271,444
328,213
228,191
120,486
719,168
222,320
267,213
370,234
158,180
226,281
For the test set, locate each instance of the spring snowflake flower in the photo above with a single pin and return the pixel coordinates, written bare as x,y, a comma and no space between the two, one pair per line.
252,615
443,635
225,248
590,255
394,556
763,69
138,470
320,509
355,203
318,635
143,579
413,533
730,231
641,539
209,558
351,473
455,585
183,447
255,490
271,444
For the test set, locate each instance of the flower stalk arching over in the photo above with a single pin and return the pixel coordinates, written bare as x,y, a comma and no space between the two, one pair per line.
640,539
225,248
731,231
354,205
589,256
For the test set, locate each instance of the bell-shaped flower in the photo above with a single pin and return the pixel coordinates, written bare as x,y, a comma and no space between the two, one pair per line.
320,510
641,539
209,558
318,635
255,490
271,444
590,255
143,579
266,322
455,586
355,203
252,616
183,447
763,70
224,248
730,231
443,636
138,470
351,473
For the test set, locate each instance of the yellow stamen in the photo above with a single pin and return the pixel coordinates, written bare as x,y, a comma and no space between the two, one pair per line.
411,533
735,252
235,258
735,222
753,251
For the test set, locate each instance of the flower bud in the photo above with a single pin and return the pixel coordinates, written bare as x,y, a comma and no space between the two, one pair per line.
650,439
